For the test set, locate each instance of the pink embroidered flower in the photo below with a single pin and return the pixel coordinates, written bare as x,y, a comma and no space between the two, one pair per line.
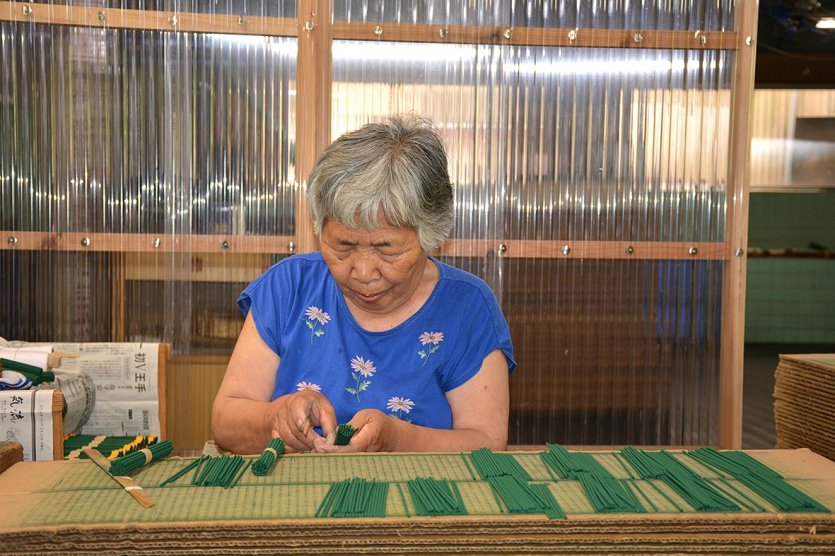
433,338
308,386
365,367
397,404
362,368
315,313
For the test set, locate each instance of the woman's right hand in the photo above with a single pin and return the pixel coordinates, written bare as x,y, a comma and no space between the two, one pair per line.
293,417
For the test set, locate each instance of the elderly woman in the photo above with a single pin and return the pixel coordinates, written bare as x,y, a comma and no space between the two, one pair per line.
371,331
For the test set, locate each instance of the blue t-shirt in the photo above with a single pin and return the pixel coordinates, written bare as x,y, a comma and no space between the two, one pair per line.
404,372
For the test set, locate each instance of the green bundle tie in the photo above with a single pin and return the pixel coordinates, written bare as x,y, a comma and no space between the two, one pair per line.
609,495
490,464
569,465
344,433
520,497
436,497
605,492
354,498
696,491
264,463
182,472
129,463
761,479
33,373
219,471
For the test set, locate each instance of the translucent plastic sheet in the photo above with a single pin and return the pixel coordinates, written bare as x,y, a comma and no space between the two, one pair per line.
122,131
576,144
191,135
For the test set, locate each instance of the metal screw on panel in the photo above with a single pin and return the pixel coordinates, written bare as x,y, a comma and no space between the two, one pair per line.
309,26
291,246
173,20
502,248
739,251
12,240
630,250
378,30
508,34
101,16
27,10
637,37
241,21
85,242
224,244
572,35
693,250
566,250
156,243
749,40
443,32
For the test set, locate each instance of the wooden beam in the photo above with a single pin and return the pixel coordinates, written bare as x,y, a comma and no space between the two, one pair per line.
313,105
567,249
150,20
512,249
736,233
313,10
142,243
535,36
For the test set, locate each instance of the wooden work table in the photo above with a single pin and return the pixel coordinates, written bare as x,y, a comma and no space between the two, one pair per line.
73,506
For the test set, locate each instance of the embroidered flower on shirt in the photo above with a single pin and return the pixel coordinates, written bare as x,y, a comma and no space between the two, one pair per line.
362,369
308,386
427,338
398,405
316,315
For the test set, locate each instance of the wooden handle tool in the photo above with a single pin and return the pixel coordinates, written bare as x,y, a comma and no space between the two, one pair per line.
126,482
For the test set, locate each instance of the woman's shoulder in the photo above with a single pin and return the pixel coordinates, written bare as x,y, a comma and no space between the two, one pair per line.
304,263
465,289
290,274
460,278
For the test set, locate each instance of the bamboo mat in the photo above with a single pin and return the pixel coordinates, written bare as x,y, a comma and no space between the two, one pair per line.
60,506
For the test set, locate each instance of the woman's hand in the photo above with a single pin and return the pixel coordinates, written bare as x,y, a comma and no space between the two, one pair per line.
373,430
293,417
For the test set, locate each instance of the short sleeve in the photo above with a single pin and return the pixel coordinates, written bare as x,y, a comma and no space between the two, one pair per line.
261,298
482,329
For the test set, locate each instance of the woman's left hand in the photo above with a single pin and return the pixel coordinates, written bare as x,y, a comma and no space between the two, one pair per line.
373,428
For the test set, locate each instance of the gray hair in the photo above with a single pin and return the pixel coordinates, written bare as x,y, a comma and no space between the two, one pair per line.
400,166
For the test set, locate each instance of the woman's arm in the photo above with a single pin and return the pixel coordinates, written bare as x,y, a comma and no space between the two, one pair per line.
480,409
244,420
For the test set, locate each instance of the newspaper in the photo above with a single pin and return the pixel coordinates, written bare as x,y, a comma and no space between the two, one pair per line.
26,418
125,378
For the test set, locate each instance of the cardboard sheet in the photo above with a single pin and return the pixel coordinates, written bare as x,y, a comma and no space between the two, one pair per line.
804,402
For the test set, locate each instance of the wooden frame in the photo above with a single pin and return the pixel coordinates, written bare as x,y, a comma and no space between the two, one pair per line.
736,233
316,31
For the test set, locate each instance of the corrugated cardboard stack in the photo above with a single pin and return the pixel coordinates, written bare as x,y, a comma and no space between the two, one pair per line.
10,453
804,402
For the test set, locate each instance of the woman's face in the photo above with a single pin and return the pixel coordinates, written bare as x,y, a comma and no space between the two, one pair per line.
379,270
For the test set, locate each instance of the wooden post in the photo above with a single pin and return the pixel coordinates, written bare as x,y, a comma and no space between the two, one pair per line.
736,232
313,105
